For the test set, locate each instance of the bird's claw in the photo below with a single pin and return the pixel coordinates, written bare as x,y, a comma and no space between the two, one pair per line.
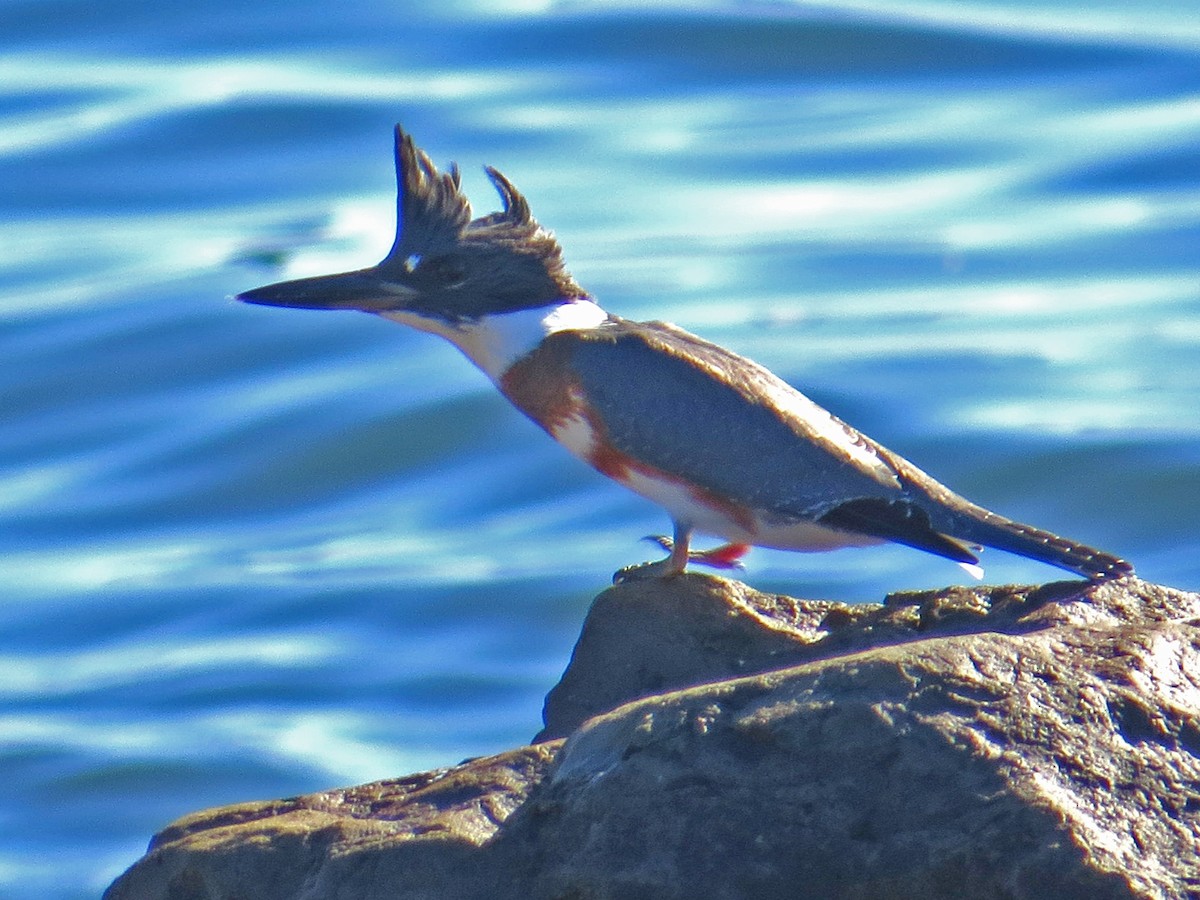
659,568
727,556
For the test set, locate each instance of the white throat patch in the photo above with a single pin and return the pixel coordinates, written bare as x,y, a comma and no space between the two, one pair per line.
494,343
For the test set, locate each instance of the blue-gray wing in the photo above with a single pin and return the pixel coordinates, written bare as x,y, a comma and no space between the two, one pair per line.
706,415
693,409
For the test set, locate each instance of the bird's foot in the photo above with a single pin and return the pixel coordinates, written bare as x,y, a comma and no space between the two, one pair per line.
659,568
727,556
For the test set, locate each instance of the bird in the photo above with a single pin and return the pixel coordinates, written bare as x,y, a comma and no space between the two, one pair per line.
726,447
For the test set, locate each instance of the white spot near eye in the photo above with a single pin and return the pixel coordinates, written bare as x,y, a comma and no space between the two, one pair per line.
411,262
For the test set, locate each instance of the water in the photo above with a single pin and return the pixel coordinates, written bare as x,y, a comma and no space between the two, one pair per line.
251,552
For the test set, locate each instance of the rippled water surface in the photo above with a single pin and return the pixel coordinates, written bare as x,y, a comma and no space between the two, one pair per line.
250,552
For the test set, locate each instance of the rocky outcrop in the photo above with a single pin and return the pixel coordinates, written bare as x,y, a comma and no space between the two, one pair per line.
415,837
993,742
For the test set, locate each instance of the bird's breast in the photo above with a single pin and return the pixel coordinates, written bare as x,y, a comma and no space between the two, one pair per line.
543,387
685,502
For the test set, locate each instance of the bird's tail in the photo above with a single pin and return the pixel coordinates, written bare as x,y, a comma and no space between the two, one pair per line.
966,523
992,530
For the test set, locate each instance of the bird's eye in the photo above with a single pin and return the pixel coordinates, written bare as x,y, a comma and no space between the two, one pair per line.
411,262
443,271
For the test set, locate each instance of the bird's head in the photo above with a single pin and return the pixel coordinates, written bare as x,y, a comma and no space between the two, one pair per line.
444,266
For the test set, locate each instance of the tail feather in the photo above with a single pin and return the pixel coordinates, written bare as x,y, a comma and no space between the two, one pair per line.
957,518
956,530
994,530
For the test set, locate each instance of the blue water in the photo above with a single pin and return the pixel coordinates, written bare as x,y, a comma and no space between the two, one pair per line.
250,552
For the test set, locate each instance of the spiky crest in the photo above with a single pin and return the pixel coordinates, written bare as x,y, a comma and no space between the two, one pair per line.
433,215
431,209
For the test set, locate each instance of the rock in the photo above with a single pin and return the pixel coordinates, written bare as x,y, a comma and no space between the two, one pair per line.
992,742
414,837
648,637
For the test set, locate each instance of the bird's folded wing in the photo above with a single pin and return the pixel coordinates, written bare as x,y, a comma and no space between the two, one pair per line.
711,418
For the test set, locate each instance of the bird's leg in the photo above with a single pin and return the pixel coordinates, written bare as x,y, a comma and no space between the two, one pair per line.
727,556
674,564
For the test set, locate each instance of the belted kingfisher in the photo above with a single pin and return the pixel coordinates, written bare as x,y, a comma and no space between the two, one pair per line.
725,446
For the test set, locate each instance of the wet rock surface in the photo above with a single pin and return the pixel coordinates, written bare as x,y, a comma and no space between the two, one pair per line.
989,742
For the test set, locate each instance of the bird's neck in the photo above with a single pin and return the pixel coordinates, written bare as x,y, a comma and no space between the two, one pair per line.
495,342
